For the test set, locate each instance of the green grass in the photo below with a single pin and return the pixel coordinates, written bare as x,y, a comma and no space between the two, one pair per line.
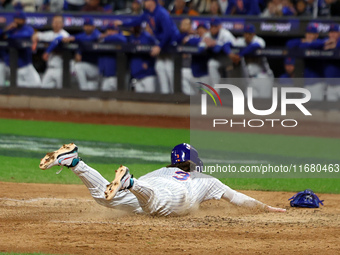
285,145
90,132
21,164
27,170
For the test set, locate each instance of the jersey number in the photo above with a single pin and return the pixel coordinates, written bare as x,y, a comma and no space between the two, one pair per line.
181,176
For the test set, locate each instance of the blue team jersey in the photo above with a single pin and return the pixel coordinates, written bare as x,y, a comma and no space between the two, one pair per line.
142,65
107,62
313,67
180,37
22,33
2,50
199,63
332,68
286,80
161,24
90,57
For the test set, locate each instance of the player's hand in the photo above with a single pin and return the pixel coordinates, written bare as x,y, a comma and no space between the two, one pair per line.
35,37
330,44
155,51
45,56
77,57
102,35
307,40
275,209
209,41
68,39
185,39
11,26
235,58
117,22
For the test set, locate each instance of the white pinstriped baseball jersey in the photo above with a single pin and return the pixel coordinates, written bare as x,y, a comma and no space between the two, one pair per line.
166,191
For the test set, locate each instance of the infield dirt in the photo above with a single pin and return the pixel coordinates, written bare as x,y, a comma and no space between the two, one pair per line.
64,219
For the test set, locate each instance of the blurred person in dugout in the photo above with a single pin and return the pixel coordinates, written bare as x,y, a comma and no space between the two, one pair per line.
142,66
209,6
25,5
74,5
54,72
217,43
331,67
166,32
255,69
86,66
180,8
198,65
108,61
27,76
313,72
185,29
286,79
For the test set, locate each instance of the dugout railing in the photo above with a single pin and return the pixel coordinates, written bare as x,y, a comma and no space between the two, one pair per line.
122,51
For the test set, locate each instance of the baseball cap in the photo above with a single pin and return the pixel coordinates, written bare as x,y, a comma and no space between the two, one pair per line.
249,28
215,22
88,21
19,15
111,25
203,24
311,29
334,28
290,61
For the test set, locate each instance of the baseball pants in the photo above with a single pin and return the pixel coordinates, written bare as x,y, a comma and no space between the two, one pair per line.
87,75
165,72
262,85
2,74
194,89
187,82
317,91
53,78
146,85
109,83
333,93
28,77
214,73
96,184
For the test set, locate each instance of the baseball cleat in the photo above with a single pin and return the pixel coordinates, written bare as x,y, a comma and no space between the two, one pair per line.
67,155
123,180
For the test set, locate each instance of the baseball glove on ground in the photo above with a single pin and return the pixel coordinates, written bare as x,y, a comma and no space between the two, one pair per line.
305,199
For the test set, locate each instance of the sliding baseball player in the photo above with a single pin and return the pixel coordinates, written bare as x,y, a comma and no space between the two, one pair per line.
172,190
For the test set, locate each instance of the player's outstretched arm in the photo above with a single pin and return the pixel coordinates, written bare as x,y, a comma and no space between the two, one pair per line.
240,199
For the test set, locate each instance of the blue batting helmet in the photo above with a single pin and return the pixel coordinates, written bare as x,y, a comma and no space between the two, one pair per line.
184,152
